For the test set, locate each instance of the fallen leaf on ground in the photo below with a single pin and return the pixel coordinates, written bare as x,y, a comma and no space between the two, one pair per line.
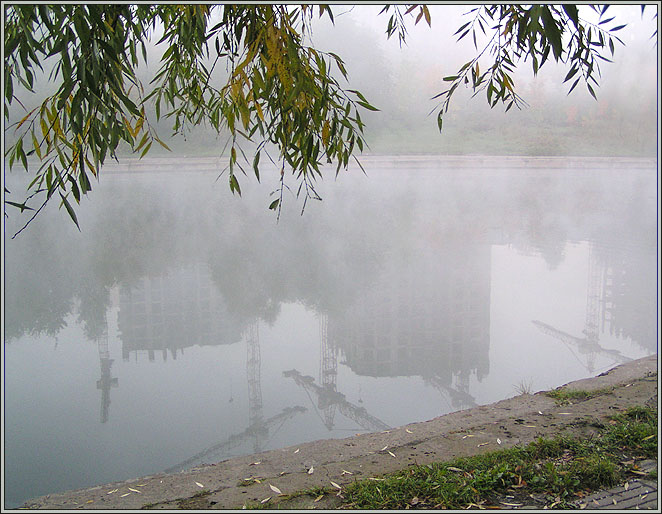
296,451
384,448
125,494
275,489
458,470
626,486
408,431
336,485
498,441
310,471
318,498
481,444
199,484
266,499
113,491
345,472
468,435
391,453
134,490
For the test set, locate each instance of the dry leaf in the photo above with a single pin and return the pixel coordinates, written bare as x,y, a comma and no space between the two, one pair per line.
530,426
565,413
318,498
583,506
540,412
458,470
408,431
134,490
255,463
511,504
626,486
275,489
199,484
384,448
113,491
391,454
125,494
310,471
90,501
468,435
141,485
336,485
296,451
266,499
345,472
481,444
498,441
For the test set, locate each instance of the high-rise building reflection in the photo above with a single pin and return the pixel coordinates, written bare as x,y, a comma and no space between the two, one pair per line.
428,315
172,312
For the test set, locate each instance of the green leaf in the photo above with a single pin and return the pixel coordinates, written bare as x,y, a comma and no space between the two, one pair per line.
273,205
573,71
256,161
70,210
21,206
234,185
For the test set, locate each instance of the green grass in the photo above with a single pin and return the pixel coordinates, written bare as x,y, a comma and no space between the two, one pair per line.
568,396
553,468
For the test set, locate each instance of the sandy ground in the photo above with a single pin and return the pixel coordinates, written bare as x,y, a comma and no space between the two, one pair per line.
233,483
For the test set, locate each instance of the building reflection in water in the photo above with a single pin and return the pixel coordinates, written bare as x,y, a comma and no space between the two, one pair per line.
428,315
171,312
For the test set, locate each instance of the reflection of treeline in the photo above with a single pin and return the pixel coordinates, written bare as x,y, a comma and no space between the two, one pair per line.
140,226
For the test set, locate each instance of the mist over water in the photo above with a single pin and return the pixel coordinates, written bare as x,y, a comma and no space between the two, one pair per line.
183,325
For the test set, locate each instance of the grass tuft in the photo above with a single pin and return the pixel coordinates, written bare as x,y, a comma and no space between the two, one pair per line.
568,396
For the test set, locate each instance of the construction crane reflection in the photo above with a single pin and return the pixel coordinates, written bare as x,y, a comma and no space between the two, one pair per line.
106,381
596,292
259,429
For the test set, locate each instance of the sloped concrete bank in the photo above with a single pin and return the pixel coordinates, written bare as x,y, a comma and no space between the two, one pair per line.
236,482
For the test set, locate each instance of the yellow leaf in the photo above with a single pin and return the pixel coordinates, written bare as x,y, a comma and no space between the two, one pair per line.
325,132
426,13
258,109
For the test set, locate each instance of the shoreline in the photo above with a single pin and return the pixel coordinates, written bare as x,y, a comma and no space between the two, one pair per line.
233,483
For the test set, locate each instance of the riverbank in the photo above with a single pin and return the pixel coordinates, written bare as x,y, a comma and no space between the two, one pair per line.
272,476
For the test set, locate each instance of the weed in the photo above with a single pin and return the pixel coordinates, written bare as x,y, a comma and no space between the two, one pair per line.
554,468
524,387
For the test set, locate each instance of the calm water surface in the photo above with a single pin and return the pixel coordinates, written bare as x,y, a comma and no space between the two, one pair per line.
183,325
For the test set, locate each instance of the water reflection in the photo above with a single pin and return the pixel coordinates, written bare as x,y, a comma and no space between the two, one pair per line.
397,268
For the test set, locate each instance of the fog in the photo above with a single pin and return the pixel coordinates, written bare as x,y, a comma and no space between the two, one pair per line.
402,79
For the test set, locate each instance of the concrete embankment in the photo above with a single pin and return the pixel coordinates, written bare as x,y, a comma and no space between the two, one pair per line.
236,482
